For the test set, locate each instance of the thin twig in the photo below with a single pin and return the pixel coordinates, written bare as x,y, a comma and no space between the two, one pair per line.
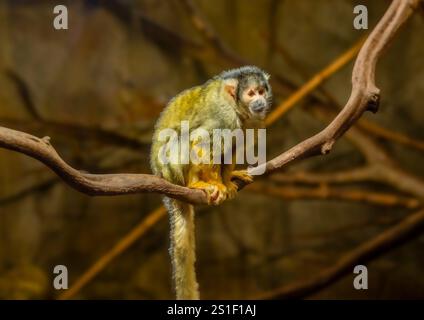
380,166
314,82
391,135
361,174
324,191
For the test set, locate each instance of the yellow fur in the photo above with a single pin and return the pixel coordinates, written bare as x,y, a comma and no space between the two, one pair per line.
210,106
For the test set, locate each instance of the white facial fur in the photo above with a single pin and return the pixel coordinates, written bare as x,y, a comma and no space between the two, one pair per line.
254,97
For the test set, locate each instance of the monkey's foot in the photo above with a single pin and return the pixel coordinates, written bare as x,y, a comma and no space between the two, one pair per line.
216,192
232,189
242,175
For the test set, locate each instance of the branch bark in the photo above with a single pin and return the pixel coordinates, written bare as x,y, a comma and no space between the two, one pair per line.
93,184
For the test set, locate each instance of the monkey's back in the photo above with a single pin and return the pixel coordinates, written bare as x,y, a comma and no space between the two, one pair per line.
203,107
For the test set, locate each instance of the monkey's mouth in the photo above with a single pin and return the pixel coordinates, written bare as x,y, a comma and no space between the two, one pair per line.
258,108
258,114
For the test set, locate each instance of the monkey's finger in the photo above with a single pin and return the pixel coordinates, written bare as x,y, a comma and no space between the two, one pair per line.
214,195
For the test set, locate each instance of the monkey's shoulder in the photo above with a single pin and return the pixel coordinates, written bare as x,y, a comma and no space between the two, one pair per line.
178,108
198,104
187,98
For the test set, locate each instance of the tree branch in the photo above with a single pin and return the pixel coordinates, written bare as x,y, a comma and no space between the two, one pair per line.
93,184
388,134
361,174
314,82
362,123
364,96
380,167
324,191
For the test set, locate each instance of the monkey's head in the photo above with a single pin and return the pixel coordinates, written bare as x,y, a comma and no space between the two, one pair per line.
250,88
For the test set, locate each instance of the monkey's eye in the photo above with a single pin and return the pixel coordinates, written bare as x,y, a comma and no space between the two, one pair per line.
251,93
261,91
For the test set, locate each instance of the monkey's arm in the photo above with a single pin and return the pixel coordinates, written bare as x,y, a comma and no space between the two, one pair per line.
215,179
229,173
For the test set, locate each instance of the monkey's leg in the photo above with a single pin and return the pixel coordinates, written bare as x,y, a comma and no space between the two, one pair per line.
242,175
208,178
232,188
229,174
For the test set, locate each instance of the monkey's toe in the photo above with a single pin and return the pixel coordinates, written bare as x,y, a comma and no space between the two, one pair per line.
216,192
232,189
216,197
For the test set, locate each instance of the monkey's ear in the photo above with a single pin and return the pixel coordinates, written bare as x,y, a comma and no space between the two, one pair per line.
267,76
230,86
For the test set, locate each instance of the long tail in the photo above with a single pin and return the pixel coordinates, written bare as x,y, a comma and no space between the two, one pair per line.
182,249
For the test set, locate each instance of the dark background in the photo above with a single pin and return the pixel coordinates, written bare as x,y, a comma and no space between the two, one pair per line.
97,88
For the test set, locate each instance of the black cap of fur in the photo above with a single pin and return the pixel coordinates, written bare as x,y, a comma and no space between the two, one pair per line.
246,74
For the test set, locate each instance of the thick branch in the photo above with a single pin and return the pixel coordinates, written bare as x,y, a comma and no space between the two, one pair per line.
92,184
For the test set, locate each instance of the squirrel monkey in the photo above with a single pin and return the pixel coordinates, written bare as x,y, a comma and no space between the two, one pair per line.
232,100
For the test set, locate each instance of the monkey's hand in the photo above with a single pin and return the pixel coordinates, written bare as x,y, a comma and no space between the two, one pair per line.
216,192
232,187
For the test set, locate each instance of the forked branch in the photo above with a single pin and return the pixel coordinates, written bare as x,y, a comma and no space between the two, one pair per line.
365,95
